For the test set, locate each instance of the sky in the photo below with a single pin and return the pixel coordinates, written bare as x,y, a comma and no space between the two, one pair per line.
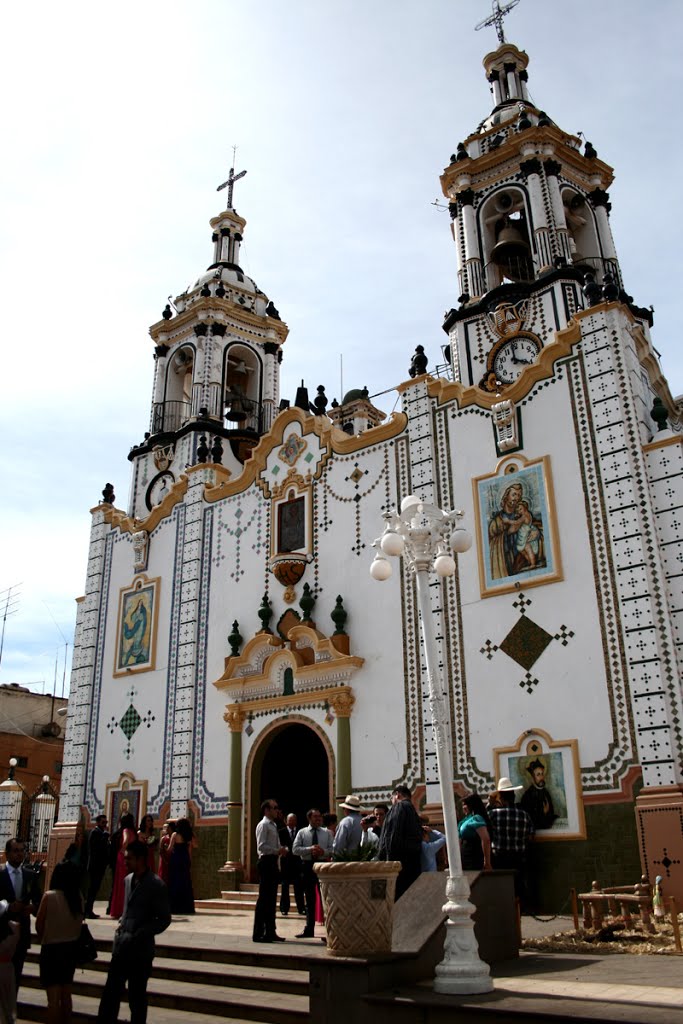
118,126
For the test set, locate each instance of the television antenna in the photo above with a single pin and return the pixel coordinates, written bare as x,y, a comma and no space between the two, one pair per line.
9,603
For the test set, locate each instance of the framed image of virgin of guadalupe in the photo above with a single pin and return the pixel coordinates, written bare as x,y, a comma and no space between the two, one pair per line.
516,526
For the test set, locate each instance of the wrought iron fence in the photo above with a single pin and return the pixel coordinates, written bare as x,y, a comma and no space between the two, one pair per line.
169,416
28,816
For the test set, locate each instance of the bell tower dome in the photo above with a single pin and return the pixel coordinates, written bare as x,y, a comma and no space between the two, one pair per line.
530,221
218,348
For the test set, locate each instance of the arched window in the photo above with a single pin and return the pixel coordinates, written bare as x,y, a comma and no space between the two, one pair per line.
178,397
506,238
583,236
242,388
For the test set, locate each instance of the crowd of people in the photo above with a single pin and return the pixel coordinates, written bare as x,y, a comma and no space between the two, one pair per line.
150,880
493,835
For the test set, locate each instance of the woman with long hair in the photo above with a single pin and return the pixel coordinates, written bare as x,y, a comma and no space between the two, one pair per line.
128,834
166,832
180,892
474,830
58,927
148,836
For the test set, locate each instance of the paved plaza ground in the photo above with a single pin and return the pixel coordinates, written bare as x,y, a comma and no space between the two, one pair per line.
653,984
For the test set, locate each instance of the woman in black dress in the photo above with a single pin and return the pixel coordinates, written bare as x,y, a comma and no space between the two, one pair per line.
180,893
58,926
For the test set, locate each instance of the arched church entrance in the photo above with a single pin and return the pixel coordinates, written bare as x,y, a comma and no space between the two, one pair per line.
292,766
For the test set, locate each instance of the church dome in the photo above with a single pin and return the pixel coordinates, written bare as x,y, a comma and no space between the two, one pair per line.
230,275
355,395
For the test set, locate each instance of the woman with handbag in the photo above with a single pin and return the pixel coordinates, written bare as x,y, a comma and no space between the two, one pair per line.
58,927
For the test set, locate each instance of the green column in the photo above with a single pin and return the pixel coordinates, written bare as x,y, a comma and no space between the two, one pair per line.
342,703
343,758
235,791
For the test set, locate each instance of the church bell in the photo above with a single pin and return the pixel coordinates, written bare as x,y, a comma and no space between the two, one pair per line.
512,253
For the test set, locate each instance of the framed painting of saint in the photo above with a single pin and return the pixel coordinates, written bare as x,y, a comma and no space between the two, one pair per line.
127,795
136,627
516,526
546,774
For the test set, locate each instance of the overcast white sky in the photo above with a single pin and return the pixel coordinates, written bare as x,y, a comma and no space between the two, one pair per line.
118,124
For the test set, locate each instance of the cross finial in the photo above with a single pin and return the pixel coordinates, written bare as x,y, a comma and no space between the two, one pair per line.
232,177
497,18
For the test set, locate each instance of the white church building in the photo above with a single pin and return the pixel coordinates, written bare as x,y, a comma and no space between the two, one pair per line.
231,644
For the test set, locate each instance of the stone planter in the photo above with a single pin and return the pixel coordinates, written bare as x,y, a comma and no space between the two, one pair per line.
358,900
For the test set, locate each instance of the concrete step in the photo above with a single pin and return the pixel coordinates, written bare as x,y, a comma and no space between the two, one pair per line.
32,1006
205,972
239,896
202,997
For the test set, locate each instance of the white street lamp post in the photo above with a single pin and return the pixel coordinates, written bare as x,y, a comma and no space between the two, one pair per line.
425,536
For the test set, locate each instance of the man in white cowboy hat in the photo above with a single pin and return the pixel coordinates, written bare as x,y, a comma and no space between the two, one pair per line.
512,828
349,831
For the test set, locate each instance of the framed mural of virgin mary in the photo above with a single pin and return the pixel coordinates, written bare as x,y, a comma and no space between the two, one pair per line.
516,526
137,626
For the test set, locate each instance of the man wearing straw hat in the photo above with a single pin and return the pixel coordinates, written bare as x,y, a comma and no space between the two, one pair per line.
349,831
512,828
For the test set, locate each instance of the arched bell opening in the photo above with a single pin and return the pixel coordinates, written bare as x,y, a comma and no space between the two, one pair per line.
177,405
582,231
294,765
506,238
242,384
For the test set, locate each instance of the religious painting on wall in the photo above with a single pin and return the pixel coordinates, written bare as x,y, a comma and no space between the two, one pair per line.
125,796
136,627
291,528
546,774
516,526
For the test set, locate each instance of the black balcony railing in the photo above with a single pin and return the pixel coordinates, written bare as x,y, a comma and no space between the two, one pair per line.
168,417
243,414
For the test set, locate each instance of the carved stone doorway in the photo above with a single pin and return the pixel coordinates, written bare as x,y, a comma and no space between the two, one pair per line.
292,765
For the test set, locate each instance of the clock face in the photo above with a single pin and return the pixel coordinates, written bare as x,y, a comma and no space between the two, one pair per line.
158,489
513,356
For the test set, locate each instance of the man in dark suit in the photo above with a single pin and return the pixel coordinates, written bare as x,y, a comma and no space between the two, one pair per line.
98,859
146,913
20,897
290,869
401,839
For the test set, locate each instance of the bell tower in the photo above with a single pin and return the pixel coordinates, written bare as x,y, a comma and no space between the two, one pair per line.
217,352
530,221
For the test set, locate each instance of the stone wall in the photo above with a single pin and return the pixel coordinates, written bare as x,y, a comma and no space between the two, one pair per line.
609,855
209,856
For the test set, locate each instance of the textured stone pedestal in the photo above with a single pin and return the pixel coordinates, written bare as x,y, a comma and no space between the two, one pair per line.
659,816
358,898
62,835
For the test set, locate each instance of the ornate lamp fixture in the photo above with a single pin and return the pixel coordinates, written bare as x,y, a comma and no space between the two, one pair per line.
427,538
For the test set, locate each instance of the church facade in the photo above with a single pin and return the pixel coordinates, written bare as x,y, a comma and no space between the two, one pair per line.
231,643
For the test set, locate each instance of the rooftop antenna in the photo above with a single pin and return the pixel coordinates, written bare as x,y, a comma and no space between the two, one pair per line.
497,18
232,177
9,602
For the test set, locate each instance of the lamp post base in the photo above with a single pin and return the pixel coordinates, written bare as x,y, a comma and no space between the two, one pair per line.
461,972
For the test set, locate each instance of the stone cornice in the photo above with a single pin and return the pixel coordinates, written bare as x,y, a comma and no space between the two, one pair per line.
511,149
236,315
446,391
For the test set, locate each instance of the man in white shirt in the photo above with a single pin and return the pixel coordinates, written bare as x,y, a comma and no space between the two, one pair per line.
369,842
313,843
268,850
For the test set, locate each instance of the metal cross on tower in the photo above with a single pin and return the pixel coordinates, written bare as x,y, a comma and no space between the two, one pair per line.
497,18
232,177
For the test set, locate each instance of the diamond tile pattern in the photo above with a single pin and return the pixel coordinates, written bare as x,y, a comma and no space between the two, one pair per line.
130,722
526,642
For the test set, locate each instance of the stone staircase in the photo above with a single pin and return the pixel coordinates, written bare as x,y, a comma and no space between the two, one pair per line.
191,984
232,899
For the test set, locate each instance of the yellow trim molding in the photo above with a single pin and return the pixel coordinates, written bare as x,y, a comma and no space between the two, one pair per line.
340,698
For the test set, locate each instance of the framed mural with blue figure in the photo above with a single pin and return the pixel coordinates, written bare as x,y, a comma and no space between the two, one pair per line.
516,526
546,775
137,627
